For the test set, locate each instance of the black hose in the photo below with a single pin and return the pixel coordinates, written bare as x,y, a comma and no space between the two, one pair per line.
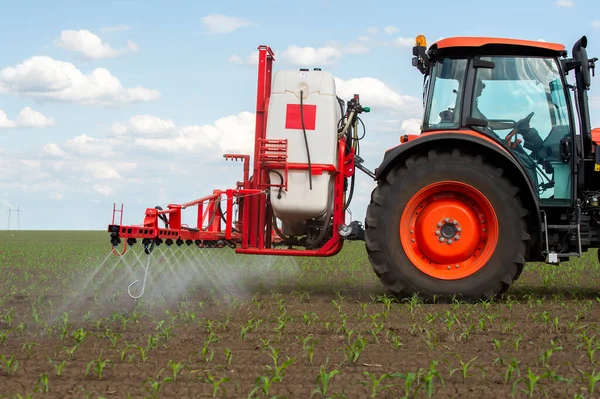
326,224
349,200
223,218
162,217
280,188
305,139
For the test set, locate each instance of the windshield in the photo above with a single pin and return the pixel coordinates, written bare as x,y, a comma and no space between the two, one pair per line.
526,93
517,86
443,111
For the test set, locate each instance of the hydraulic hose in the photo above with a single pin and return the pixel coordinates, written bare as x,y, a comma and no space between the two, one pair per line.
305,139
162,217
326,224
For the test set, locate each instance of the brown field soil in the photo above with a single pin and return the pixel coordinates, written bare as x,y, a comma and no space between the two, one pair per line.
214,324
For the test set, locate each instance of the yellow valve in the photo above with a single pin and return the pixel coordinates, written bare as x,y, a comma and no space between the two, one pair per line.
596,167
421,41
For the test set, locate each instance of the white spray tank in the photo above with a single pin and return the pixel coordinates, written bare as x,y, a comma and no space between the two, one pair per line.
322,114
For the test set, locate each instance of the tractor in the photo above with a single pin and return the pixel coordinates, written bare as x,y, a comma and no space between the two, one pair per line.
505,170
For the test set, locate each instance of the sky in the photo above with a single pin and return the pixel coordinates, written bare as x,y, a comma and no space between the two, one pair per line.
135,103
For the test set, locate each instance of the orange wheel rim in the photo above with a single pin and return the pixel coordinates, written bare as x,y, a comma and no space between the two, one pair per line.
449,230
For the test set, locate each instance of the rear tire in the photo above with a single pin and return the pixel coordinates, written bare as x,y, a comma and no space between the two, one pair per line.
421,206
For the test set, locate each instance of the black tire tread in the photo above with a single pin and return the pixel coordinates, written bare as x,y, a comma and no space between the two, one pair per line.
374,236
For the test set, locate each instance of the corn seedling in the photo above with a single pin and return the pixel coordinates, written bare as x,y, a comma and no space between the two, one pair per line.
591,379
42,384
375,383
58,367
97,366
215,383
323,381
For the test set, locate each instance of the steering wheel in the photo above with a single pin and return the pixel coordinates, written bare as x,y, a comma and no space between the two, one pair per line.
523,124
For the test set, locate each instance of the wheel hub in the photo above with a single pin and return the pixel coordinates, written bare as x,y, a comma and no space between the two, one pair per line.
448,230
448,233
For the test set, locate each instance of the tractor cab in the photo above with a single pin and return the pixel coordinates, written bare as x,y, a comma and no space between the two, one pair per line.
515,93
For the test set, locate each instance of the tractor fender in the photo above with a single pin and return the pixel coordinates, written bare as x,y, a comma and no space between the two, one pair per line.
476,144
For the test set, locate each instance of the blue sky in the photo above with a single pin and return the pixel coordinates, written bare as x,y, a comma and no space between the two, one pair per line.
92,97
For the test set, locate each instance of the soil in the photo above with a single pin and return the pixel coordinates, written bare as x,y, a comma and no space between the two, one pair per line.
541,340
490,346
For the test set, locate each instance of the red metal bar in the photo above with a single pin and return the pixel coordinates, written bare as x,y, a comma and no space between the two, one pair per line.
200,217
228,225
257,216
203,199
175,218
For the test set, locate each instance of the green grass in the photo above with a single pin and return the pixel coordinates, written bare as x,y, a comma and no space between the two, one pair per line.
217,322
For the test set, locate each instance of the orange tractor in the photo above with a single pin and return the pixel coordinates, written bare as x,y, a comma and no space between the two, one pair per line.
504,171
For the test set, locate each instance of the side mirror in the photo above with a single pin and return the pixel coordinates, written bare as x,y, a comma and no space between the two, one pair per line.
565,149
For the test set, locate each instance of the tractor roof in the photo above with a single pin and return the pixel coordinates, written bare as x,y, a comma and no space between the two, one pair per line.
495,46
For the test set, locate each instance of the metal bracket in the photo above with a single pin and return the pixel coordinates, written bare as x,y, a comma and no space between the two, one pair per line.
358,161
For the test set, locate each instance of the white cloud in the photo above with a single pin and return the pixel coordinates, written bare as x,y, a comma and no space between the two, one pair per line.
355,48
30,118
372,30
410,126
144,125
115,28
376,94
132,47
223,24
90,46
54,150
309,56
596,24
235,59
103,189
44,77
32,163
233,133
251,59
89,146
565,3
102,171
404,41
4,121
390,30
26,118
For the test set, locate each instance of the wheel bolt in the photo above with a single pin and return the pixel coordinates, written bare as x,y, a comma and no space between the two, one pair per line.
456,237
446,220
437,233
442,239
455,222
449,241
459,229
439,224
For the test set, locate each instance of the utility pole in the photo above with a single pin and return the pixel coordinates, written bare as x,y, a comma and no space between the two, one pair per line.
18,212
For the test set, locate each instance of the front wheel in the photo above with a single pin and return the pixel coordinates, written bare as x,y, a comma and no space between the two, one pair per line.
446,224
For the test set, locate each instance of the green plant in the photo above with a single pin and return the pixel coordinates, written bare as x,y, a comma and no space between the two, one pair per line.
323,381
375,383
98,365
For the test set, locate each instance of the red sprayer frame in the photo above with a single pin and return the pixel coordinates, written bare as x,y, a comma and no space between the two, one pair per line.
252,232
